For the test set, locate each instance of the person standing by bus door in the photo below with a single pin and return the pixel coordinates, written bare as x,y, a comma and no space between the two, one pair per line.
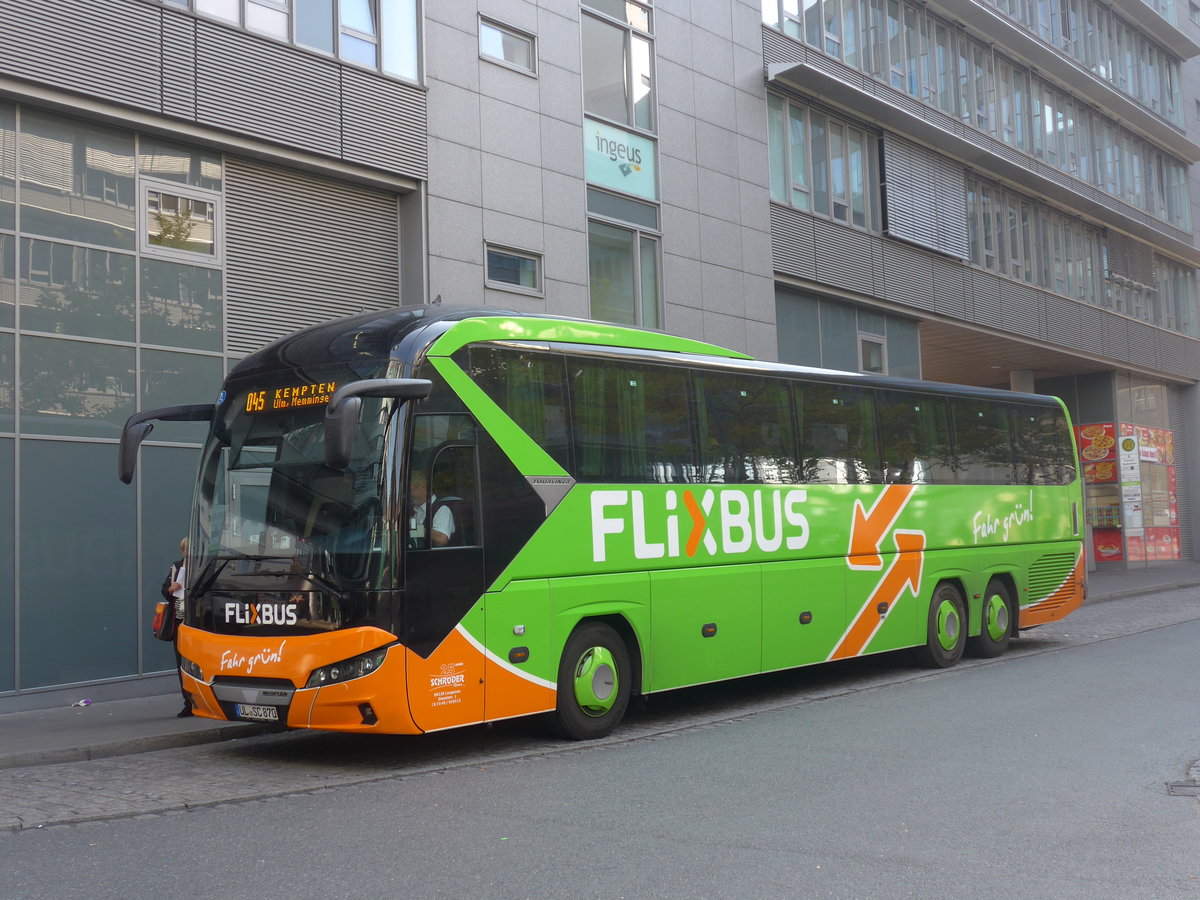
173,592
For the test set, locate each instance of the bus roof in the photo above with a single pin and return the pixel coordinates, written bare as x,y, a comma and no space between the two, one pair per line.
410,333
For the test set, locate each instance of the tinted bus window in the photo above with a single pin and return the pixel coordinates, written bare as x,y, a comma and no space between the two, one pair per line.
1044,446
745,428
631,422
983,439
837,434
915,438
529,387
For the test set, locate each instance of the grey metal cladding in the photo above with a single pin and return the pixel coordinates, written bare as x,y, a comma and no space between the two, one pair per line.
268,90
1143,345
907,275
301,249
988,292
384,123
179,59
793,242
843,256
778,49
110,50
950,294
1179,354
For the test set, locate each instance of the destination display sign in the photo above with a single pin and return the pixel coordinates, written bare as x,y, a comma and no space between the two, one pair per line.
290,397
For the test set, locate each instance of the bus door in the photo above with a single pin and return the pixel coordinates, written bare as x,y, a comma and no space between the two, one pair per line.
443,573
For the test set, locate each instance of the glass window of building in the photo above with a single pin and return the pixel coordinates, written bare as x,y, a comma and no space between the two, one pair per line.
618,62
178,221
501,43
821,164
378,34
514,270
623,274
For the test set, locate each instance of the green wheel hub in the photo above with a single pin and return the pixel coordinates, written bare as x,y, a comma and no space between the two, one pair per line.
996,617
596,681
948,625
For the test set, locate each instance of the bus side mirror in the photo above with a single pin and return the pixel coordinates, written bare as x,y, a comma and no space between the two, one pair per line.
345,407
139,425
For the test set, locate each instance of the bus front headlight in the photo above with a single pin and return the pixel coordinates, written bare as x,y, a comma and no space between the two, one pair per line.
347,669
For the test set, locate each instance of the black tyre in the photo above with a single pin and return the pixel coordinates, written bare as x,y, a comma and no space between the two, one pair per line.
593,683
996,628
947,629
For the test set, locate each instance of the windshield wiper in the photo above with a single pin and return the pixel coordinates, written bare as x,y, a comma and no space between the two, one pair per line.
320,581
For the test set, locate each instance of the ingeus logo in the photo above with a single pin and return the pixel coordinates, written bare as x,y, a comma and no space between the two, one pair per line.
727,521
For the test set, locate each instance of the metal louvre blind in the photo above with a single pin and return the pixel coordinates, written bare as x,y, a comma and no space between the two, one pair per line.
1183,487
72,44
926,198
1130,259
301,250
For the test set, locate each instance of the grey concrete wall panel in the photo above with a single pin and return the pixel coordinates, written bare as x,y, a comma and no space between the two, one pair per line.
301,250
383,123
108,50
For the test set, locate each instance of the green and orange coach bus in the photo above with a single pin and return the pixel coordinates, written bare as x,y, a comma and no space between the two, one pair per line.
419,519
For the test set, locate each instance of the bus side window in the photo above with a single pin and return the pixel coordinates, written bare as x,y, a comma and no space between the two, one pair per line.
1043,447
745,428
914,438
837,439
983,440
631,422
531,388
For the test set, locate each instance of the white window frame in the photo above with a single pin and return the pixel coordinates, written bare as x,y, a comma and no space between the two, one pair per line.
145,186
531,40
881,341
539,290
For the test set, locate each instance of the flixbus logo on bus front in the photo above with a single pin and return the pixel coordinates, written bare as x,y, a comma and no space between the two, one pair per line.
678,523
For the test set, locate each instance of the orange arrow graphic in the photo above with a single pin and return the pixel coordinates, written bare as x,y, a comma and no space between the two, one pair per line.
868,528
905,572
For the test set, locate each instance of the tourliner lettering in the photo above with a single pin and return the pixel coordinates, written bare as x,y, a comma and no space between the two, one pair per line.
729,521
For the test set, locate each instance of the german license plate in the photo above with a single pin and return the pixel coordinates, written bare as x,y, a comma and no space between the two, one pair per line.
262,713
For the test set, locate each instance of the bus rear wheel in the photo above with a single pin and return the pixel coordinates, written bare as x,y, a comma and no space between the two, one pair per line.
593,683
947,629
996,629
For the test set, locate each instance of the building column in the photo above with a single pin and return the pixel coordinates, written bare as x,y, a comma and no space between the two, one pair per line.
1021,380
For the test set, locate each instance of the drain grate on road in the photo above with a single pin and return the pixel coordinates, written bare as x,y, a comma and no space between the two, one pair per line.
1183,789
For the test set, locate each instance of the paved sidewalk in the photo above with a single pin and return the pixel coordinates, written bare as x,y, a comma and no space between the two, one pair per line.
117,727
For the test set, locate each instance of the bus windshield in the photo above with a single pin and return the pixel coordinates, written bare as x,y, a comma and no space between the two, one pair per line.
273,519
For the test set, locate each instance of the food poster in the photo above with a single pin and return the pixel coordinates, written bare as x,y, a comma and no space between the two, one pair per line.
1106,542
1097,443
1136,551
1172,496
1156,493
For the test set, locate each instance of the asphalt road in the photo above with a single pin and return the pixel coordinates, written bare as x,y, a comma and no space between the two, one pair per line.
1042,774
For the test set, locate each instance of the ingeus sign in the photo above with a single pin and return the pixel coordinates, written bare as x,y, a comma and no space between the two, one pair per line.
619,160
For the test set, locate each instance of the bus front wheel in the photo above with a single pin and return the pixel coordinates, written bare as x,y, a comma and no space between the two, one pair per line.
996,628
593,683
947,629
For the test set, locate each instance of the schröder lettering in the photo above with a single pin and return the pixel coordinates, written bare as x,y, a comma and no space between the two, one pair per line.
678,523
